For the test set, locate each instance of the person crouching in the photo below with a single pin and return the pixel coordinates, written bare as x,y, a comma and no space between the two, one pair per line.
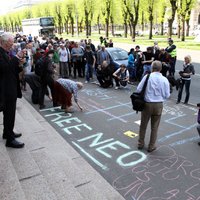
63,91
121,76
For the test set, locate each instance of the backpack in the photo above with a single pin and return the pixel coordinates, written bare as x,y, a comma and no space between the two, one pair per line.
39,66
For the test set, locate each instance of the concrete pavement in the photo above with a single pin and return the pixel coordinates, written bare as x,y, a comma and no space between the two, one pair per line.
48,168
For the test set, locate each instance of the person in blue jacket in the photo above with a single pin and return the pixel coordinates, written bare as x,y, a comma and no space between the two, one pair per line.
131,65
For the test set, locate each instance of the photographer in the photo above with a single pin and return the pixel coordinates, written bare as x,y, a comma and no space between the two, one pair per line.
188,70
104,75
121,76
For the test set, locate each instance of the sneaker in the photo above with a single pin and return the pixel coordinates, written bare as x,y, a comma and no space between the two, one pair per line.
116,88
86,81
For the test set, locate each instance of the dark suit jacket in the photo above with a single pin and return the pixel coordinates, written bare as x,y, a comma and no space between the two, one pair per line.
9,78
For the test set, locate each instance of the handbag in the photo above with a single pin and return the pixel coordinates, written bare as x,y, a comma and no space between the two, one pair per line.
137,98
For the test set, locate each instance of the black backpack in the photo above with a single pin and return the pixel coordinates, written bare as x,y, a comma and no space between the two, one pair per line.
39,66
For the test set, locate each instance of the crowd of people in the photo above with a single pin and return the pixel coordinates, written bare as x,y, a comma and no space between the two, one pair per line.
51,66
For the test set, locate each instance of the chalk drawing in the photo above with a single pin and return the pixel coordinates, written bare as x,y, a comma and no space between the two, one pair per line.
91,157
171,170
130,134
99,93
180,142
176,133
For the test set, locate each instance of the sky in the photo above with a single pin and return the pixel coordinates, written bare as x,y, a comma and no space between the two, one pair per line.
5,5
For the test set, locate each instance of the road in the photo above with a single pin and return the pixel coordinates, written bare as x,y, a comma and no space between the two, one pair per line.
106,135
194,91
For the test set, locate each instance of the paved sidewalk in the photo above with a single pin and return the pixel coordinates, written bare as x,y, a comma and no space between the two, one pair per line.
48,168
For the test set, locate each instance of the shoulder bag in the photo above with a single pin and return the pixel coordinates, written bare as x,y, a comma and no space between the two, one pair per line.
137,98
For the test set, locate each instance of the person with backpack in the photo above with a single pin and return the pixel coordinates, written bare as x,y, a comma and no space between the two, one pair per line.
44,68
121,76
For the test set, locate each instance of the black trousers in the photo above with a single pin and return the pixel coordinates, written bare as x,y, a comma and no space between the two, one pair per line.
9,119
46,81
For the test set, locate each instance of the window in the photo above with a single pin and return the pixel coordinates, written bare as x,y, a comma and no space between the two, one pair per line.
47,21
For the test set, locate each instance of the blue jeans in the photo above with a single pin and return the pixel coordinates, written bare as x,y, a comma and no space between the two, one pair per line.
88,71
132,71
146,69
187,90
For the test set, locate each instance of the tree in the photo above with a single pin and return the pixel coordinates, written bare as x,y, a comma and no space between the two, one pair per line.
125,17
132,8
171,18
163,11
88,11
106,10
70,14
151,9
58,16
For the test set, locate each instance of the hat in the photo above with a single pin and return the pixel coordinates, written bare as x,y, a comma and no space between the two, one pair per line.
170,40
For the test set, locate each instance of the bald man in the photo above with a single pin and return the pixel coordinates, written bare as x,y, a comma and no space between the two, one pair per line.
157,91
9,88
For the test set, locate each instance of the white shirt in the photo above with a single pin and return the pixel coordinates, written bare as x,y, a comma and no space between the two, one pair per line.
63,53
157,89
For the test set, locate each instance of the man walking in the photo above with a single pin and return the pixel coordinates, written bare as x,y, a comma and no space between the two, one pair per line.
157,91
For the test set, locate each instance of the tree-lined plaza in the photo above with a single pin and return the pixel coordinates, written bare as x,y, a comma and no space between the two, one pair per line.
111,16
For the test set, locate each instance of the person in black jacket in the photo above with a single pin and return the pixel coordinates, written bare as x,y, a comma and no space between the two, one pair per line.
46,77
9,88
185,80
104,74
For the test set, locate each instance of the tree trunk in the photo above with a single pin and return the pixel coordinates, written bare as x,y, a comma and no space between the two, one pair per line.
151,24
107,28
162,28
86,23
130,28
150,31
183,29
170,22
142,23
133,34
125,30
187,27
98,24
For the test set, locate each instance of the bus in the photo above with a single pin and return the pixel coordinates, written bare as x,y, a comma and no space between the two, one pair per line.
42,26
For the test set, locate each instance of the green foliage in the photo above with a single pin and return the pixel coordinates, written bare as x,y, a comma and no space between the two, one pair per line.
100,11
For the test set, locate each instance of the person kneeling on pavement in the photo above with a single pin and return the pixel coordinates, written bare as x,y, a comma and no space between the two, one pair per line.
121,76
104,75
63,91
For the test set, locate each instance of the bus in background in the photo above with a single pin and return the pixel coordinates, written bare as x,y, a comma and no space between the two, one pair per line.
42,26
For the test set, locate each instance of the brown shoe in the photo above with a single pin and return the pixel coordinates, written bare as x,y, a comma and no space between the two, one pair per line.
151,149
140,146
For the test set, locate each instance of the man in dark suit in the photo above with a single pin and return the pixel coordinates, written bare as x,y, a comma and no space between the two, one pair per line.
9,89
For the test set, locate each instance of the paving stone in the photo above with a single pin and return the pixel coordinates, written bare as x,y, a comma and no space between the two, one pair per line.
36,188
10,188
55,177
23,163
97,181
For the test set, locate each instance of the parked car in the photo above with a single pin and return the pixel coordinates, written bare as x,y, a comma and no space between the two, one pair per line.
118,56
